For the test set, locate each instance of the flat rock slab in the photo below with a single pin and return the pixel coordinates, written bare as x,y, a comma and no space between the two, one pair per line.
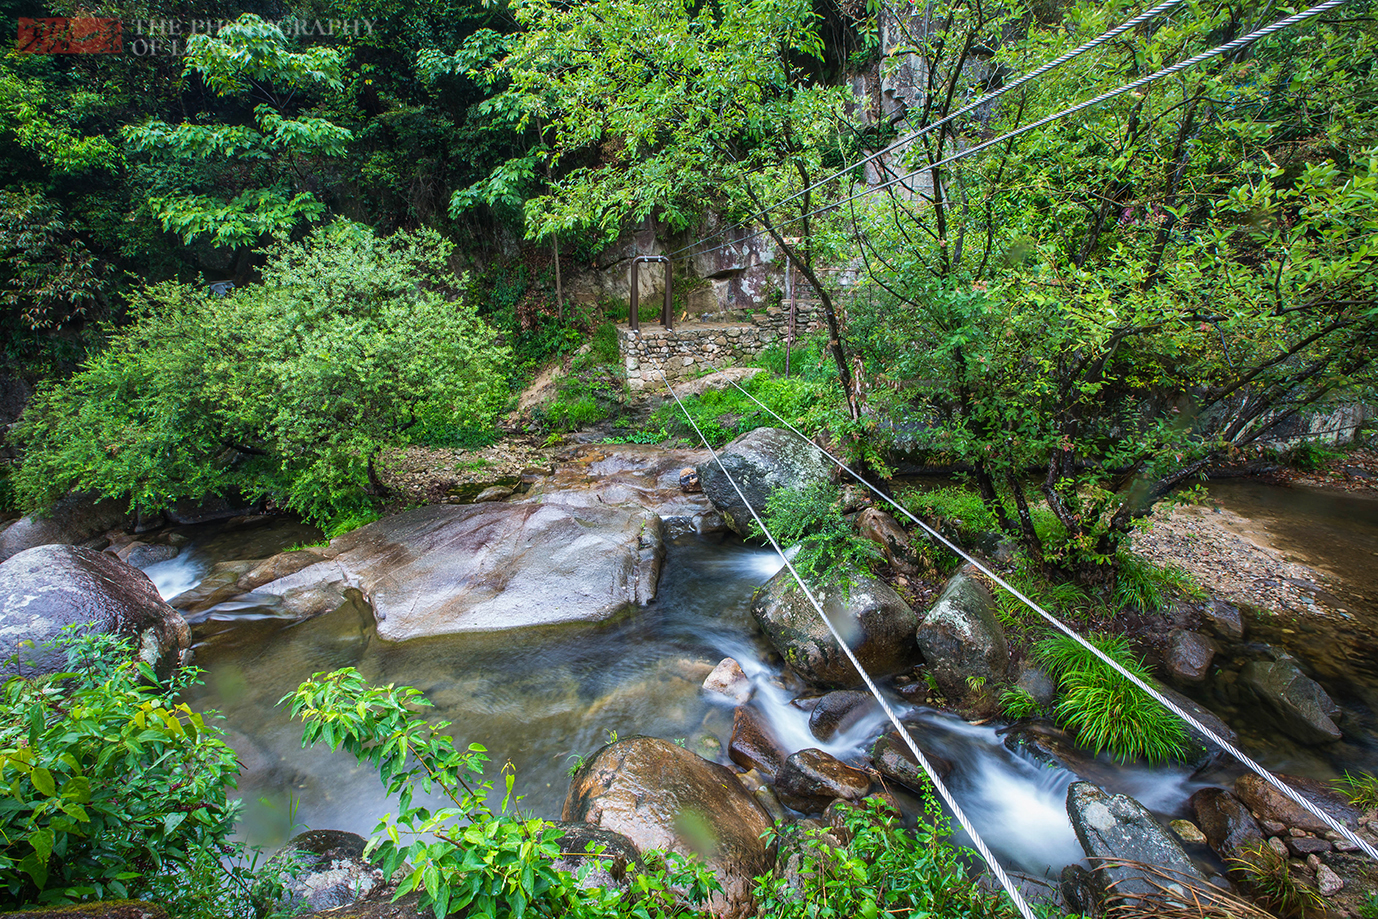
448,569
1118,827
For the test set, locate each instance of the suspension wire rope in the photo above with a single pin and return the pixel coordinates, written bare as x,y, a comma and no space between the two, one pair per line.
1091,45
1153,693
1238,43
1010,887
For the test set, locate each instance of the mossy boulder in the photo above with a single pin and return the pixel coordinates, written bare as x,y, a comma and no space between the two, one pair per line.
760,462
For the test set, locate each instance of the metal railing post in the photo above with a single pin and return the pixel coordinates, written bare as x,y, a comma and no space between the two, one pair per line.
633,314
667,312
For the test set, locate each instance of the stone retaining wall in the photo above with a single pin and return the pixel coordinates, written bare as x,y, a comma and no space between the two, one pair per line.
689,351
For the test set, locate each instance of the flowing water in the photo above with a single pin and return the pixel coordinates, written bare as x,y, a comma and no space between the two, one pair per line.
543,699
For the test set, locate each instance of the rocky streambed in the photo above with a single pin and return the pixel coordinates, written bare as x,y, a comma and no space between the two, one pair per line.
596,599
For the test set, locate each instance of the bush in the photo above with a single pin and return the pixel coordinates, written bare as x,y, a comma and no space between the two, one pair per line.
885,870
1107,711
288,388
469,859
812,518
110,788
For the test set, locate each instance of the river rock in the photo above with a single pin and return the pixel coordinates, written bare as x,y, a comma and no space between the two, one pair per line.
494,493
448,569
1272,805
1300,706
632,475
661,796
141,554
325,869
728,682
761,461
879,527
72,519
892,758
44,589
1224,619
579,844
1225,820
1118,827
1036,682
204,510
961,637
877,624
754,744
811,780
1189,656
839,710
277,566
1204,751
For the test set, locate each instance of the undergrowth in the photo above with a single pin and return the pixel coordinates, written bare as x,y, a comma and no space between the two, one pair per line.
1360,789
829,546
1268,876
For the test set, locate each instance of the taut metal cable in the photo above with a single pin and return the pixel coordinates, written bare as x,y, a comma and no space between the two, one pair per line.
1091,45
1153,693
1238,43
946,795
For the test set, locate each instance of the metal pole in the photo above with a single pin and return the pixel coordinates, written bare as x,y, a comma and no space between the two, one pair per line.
667,312
635,309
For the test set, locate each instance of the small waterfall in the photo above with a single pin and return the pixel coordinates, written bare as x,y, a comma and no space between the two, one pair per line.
177,575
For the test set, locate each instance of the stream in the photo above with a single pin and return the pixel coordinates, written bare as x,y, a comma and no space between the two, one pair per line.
542,699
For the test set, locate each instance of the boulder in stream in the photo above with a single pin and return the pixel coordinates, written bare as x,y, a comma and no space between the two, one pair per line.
1272,806
447,569
810,780
892,758
47,588
1118,827
761,461
877,624
325,869
1298,704
961,638
1189,656
839,710
754,744
881,528
662,796
1225,820
73,519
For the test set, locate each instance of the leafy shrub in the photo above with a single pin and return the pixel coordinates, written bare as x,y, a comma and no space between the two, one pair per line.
287,388
724,414
885,870
1310,457
1369,908
110,788
469,859
1107,711
812,518
604,347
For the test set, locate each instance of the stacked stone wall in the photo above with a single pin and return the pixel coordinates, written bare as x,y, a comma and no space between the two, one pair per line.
692,350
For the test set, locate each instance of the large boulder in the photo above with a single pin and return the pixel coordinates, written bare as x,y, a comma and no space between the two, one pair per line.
610,854
754,744
73,519
1225,820
662,796
882,529
840,710
447,569
761,461
877,625
1118,827
325,869
1272,806
961,638
45,589
1301,708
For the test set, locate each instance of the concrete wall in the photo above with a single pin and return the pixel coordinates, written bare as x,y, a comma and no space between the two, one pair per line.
692,350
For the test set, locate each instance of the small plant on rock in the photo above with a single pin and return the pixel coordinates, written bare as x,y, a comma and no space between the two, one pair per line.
1016,703
812,518
1268,876
1360,789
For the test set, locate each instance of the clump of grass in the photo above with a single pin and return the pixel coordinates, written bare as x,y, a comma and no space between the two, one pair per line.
1106,711
1016,703
1361,790
1143,586
1269,878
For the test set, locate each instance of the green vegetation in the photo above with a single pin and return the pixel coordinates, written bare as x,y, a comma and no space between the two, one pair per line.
725,414
1016,703
114,789
1106,711
884,870
289,388
1360,789
811,518
1268,876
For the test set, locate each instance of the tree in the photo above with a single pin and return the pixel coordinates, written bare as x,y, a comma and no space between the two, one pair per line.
1121,299
667,110
287,389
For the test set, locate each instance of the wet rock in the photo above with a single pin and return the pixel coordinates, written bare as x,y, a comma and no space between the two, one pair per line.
892,758
141,555
811,780
1204,751
494,493
879,527
661,796
204,510
761,461
325,869
73,519
1328,883
1225,820
1301,708
1272,805
728,682
580,844
689,481
961,638
839,710
1224,619
1188,832
1118,827
1037,684
1302,846
44,589
754,744
277,566
877,624
448,569
1189,656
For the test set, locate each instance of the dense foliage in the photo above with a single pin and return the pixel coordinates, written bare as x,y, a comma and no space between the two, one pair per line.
286,389
111,788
